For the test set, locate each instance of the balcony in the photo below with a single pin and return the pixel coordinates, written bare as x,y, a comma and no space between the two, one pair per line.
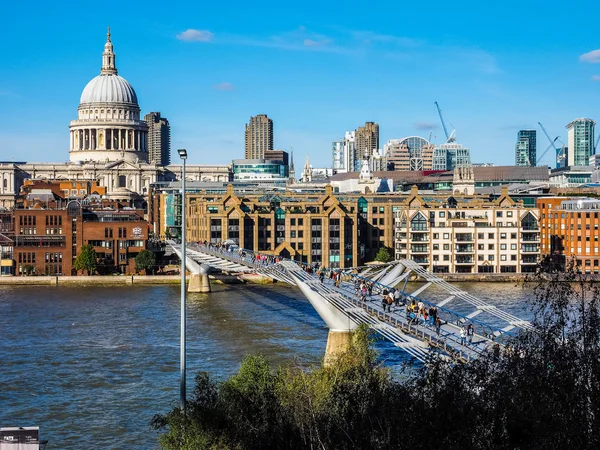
464,248
419,237
529,259
420,259
419,249
530,237
530,227
464,260
530,248
419,229
464,237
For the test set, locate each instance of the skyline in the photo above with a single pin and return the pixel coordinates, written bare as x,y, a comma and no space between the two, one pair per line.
314,79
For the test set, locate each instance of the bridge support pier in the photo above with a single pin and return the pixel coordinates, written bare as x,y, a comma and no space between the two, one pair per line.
337,342
199,282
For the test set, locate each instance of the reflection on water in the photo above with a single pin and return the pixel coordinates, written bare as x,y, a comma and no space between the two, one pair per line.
92,365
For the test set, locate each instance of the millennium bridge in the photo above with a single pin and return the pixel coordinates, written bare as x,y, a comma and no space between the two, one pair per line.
343,310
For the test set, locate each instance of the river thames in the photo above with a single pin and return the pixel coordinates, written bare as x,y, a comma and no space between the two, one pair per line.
91,365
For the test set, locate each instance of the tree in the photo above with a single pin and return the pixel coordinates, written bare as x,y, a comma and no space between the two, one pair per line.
384,255
28,269
145,260
86,260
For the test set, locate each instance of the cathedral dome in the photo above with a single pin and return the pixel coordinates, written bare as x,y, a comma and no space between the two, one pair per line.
109,88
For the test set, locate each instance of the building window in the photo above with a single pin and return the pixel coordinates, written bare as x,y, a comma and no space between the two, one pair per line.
502,235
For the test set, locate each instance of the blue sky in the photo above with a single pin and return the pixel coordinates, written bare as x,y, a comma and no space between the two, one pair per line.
316,68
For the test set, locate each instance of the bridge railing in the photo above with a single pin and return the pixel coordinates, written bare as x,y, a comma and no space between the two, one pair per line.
490,332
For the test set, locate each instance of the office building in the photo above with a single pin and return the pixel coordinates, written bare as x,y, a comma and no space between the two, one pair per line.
367,140
159,139
337,156
525,148
569,232
450,155
410,153
45,233
259,137
580,142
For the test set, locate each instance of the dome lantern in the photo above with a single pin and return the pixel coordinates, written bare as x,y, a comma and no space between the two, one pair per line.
109,63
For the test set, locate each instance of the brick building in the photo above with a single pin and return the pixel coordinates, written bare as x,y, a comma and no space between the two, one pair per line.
569,231
48,240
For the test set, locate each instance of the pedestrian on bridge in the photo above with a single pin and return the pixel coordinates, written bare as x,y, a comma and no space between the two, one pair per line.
463,335
470,333
397,296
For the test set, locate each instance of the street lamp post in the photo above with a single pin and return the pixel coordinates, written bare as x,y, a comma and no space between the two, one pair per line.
183,155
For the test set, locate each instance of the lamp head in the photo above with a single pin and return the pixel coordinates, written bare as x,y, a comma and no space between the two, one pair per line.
182,153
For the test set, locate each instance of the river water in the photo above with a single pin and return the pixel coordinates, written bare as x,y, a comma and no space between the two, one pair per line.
92,365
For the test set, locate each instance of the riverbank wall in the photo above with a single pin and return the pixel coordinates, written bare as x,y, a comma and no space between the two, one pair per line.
122,280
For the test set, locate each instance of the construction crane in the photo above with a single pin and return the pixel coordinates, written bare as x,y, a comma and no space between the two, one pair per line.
547,148
449,137
559,152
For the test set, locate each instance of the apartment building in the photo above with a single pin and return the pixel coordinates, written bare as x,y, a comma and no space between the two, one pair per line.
468,234
259,137
569,232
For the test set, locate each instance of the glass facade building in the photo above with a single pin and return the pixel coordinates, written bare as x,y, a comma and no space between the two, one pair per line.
246,169
581,142
525,149
450,155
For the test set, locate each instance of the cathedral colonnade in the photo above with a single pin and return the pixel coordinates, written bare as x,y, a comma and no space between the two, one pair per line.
109,139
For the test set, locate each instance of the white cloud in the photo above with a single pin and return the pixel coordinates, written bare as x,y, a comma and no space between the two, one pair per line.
591,57
595,77
192,35
425,125
314,43
225,86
